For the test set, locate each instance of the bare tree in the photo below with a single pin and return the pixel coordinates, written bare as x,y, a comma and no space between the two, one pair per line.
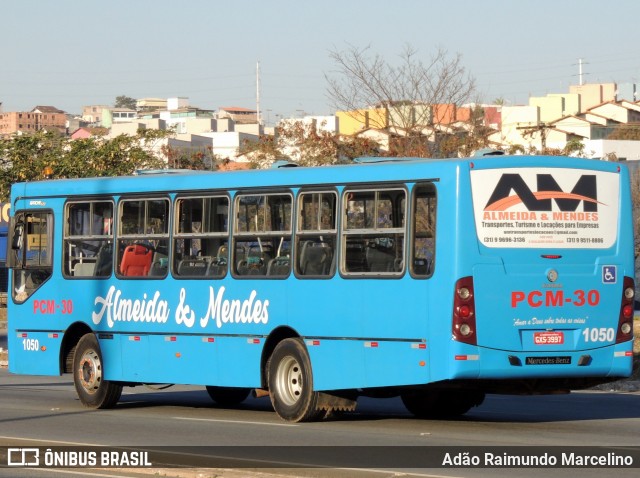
406,92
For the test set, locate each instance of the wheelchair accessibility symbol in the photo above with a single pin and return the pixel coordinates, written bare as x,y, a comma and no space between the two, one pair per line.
609,274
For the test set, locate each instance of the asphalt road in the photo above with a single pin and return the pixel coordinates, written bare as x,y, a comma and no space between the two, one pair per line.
44,411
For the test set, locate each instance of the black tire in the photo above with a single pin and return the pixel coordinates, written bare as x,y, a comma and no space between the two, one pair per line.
420,403
454,403
88,376
228,396
291,382
441,403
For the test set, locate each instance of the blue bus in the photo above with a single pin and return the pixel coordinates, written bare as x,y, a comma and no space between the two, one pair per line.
438,281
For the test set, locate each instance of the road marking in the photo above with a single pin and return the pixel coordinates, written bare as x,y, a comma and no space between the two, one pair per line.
238,422
52,441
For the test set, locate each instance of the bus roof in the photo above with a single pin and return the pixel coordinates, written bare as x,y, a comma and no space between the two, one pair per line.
368,170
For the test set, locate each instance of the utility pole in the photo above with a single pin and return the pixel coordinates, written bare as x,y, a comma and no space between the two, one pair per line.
581,73
580,80
259,117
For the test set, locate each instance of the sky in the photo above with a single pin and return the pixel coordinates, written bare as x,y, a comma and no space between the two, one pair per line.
71,53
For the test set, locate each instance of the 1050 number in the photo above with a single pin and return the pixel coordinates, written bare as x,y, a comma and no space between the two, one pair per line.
601,334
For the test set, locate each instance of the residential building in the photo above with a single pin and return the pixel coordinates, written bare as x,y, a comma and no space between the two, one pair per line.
593,94
617,112
238,114
622,150
550,107
39,118
92,114
628,91
89,132
117,115
571,103
223,145
353,122
151,104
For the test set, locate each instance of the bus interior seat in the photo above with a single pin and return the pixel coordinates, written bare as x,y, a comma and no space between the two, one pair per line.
315,258
104,258
421,266
355,259
218,266
379,260
222,255
279,266
254,264
136,261
84,269
194,267
159,267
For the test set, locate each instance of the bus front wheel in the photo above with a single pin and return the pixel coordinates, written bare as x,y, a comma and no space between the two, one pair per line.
88,376
291,382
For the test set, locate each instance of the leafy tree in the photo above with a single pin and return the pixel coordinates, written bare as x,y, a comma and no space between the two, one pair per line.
306,145
574,147
264,152
196,159
24,158
123,101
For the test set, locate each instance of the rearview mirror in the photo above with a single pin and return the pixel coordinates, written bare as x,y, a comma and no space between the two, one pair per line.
18,236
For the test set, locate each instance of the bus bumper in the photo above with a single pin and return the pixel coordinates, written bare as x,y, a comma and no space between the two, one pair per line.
471,362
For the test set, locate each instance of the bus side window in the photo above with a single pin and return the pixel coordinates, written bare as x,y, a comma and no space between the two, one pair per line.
88,238
423,241
374,232
201,237
316,234
143,237
262,235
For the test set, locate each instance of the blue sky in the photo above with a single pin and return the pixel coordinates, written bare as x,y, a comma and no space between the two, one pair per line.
70,53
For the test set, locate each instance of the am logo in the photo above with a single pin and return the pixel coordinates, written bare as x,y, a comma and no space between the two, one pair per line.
548,190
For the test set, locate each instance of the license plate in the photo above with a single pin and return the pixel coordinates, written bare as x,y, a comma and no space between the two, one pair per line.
548,338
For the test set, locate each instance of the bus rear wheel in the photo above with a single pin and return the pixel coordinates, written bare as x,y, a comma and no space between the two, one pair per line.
441,403
88,376
291,382
228,396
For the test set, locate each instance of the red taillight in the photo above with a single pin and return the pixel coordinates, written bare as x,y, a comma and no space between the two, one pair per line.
464,317
625,320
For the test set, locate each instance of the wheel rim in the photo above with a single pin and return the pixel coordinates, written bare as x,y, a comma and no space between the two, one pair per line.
289,381
90,371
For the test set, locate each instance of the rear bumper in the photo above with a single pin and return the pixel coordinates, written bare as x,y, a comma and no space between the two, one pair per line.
606,363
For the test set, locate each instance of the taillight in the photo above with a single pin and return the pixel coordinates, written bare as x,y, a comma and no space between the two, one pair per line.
625,321
464,313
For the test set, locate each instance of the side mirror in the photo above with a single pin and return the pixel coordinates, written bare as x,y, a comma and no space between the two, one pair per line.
18,236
